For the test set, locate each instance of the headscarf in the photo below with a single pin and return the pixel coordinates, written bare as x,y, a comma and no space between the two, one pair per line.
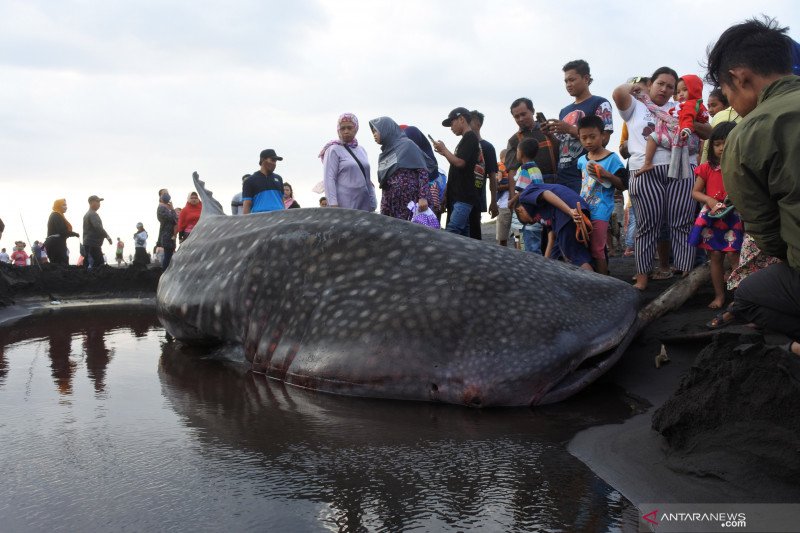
413,133
58,208
344,117
397,150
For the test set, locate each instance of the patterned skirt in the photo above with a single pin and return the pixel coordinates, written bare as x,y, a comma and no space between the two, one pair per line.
717,234
402,187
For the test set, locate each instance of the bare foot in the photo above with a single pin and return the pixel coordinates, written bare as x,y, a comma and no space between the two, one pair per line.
641,282
717,303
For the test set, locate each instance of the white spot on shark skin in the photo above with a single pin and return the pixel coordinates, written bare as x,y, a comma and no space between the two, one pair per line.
184,309
218,309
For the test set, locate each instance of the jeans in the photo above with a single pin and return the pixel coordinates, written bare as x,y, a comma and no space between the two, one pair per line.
532,238
459,218
631,231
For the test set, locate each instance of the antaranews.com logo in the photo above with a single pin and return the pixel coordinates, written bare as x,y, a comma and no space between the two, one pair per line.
725,517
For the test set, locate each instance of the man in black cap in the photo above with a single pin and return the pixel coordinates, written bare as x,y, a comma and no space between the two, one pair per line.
462,196
93,233
263,190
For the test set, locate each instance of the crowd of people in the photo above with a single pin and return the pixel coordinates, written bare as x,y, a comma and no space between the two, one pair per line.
703,180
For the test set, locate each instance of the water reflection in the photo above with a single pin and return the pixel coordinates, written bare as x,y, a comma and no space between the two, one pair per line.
107,426
88,327
386,465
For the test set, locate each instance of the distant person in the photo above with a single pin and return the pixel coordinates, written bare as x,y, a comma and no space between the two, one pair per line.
140,246
490,169
4,257
19,257
94,233
346,170
552,202
577,79
602,173
263,190
119,252
402,169
462,190
505,184
752,63
717,229
58,230
288,197
167,220
323,202
547,154
236,201
528,173
2,227
437,180
189,216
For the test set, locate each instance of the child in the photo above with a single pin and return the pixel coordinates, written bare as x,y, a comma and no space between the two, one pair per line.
528,173
552,201
602,171
505,184
690,109
425,216
19,257
717,229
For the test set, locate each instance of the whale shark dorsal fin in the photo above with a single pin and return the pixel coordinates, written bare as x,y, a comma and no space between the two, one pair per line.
210,205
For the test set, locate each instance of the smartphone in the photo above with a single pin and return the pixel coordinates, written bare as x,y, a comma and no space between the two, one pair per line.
431,138
540,118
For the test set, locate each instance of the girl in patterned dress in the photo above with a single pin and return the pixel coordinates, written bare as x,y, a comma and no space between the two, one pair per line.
718,229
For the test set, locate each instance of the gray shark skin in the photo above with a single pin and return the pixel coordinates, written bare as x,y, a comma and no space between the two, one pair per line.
356,303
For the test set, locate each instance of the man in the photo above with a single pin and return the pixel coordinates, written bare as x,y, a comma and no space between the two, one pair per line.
263,190
236,202
490,162
4,257
93,233
461,196
752,64
577,80
547,157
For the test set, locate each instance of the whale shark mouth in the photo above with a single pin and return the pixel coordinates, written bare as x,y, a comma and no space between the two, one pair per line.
588,371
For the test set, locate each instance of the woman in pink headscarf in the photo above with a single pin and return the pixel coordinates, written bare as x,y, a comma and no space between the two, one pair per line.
346,169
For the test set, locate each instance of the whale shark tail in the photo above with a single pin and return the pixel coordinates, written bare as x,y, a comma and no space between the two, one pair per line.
210,205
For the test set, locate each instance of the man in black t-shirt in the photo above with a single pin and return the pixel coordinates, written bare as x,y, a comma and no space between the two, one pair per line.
490,165
461,195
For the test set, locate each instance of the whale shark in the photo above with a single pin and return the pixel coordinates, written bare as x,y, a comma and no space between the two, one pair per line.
356,303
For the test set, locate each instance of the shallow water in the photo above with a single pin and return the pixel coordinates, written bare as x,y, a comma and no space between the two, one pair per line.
107,426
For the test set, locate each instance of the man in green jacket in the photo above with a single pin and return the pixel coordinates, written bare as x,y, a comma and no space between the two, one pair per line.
752,64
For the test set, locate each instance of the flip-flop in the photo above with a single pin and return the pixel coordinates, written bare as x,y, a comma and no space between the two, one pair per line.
659,275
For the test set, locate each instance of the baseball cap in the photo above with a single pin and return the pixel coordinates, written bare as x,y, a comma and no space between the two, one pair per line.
454,114
95,198
267,154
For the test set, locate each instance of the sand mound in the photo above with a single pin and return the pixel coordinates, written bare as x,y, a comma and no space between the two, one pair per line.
736,414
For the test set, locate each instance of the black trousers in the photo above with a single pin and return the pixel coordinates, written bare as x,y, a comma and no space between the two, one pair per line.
57,250
96,253
771,299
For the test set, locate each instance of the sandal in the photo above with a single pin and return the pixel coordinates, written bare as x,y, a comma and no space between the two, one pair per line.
659,275
720,321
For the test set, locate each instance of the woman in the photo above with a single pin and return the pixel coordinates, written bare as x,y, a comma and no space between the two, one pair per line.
58,230
656,196
402,169
346,169
140,245
167,219
288,197
188,216
436,180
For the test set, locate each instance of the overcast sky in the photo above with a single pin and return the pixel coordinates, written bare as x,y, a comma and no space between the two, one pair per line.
121,98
